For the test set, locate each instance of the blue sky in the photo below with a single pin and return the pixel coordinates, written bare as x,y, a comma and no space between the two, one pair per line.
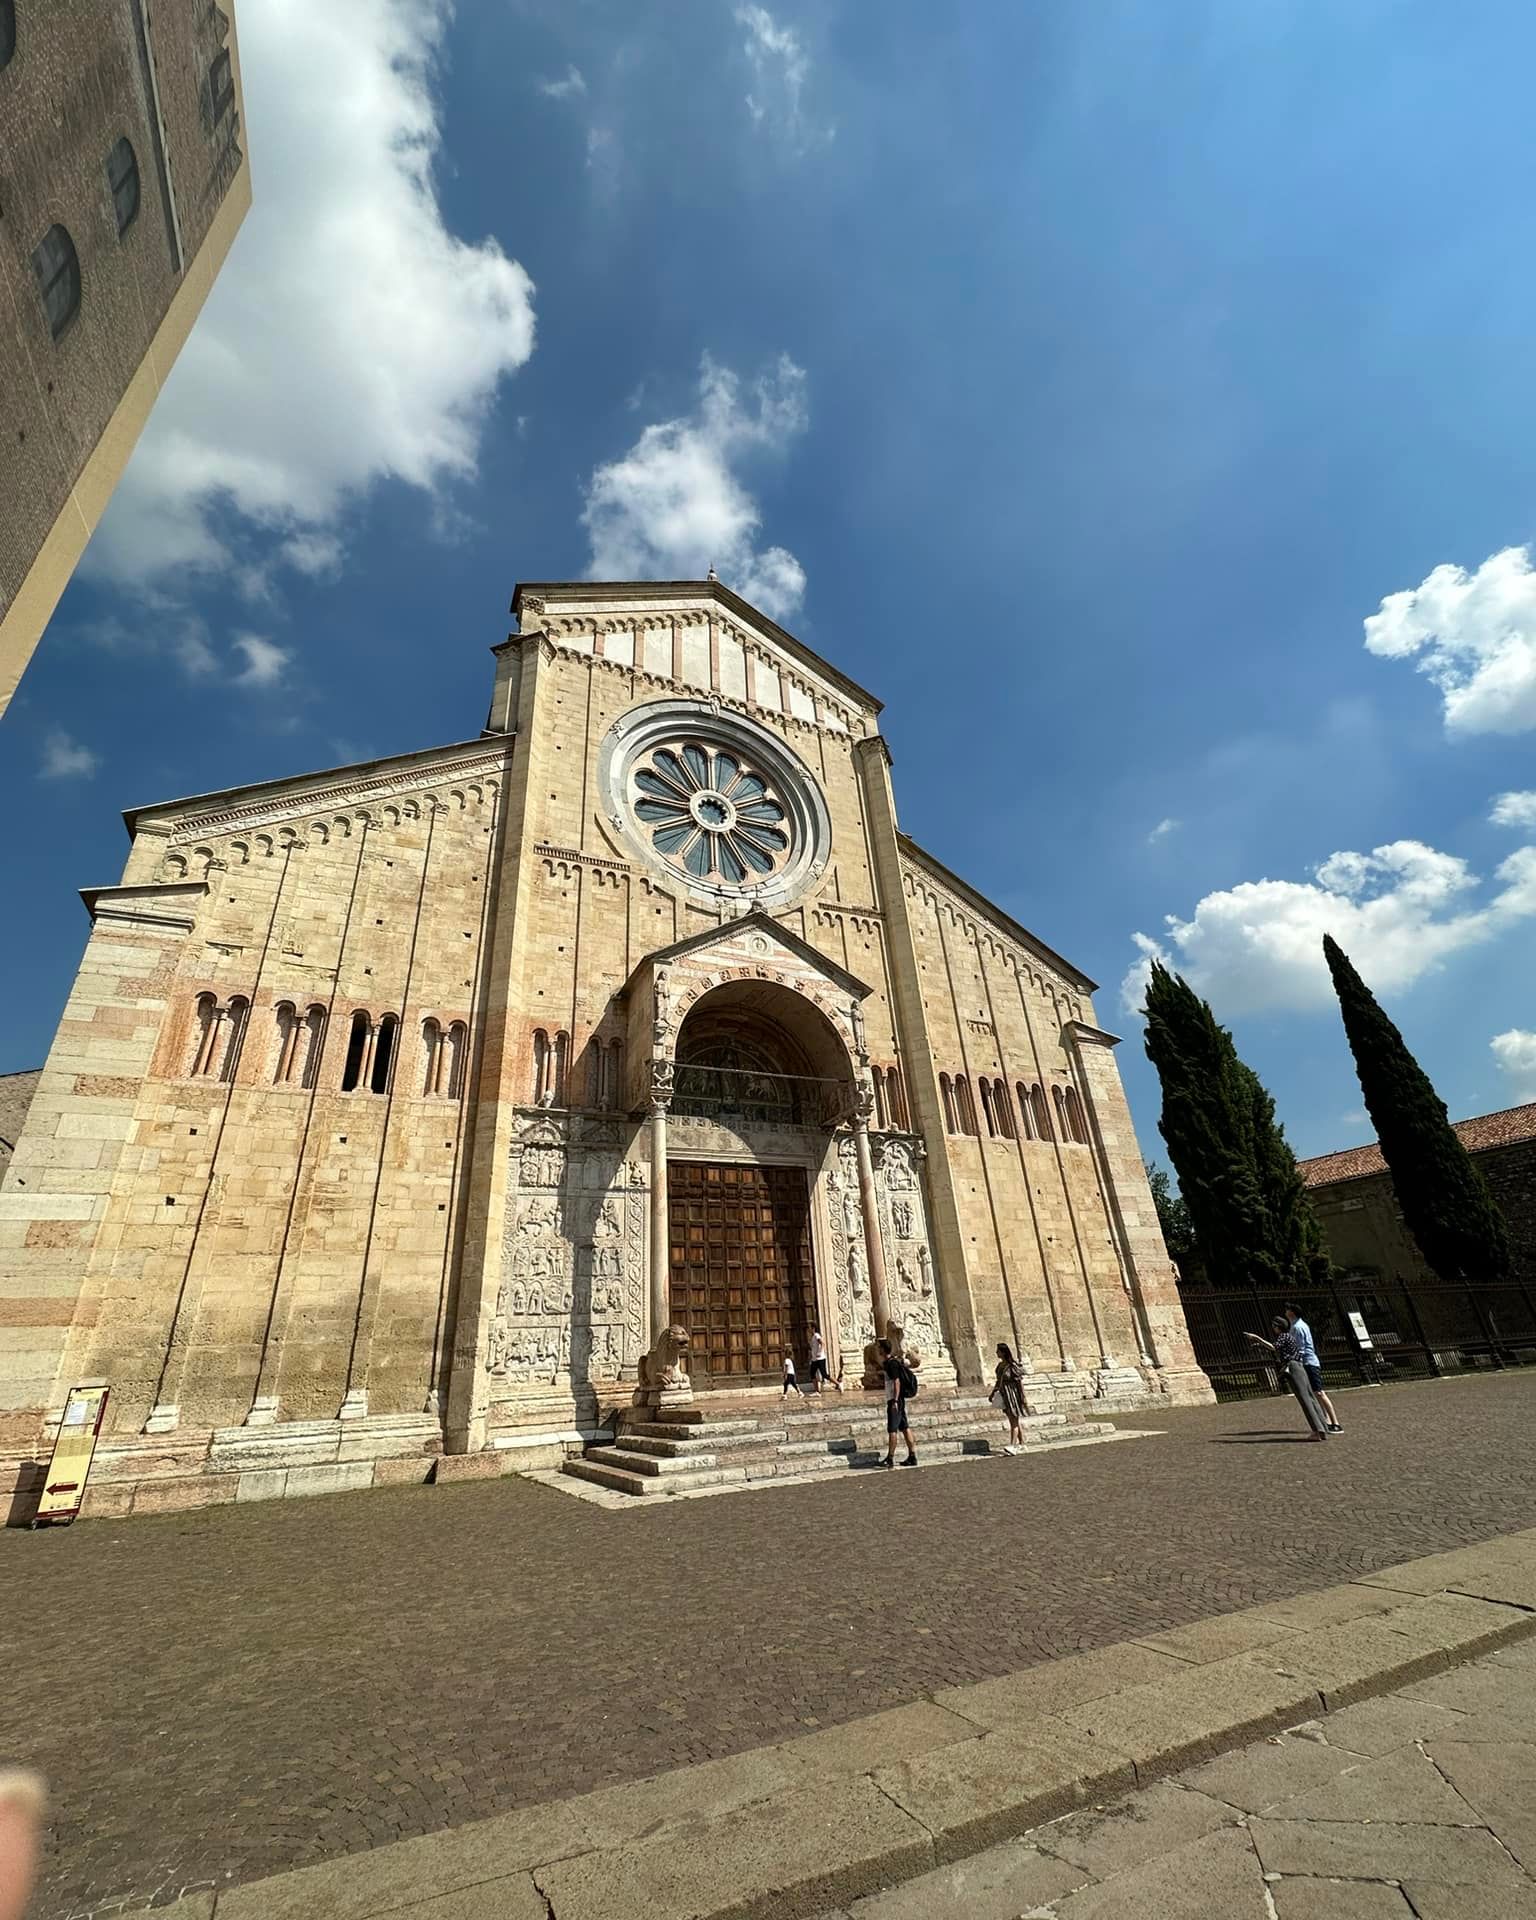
1081,378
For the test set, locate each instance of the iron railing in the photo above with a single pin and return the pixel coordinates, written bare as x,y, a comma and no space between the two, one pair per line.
1411,1332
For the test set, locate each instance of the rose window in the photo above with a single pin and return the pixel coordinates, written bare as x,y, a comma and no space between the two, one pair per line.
707,811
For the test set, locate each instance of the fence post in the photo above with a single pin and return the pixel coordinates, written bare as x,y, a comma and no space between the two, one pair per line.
1482,1321
1348,1327
1418,1327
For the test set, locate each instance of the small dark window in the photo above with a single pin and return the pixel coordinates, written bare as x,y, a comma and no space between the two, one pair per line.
7,31
57,267
383,1054
123,179
357,1042
221,86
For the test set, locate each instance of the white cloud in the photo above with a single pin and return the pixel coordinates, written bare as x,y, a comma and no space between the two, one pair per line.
1398,912
1514,810
1356,1117
673,506
264,662
1477,637
1161,831
350,337
1515,1052
66,759
573,84
781,68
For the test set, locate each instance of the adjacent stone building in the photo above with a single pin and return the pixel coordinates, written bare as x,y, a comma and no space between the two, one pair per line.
1355,1203
123,179
406,1107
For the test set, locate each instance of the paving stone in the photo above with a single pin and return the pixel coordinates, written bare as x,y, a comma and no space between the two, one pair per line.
1217,1875
996,1787
1338,1900
1384,1850
999,1884
1436,1572
1432,1901
1360,1657
1170,1723
1502,1700
1108,1840
843,1836
1402,1785
1498,1778
1219,1638
1395,1720
1015,1700
1305,1612
514,1899
1258,1777
876,1740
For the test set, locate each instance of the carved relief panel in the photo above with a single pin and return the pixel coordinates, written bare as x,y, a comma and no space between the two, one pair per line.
908,1247
570,1305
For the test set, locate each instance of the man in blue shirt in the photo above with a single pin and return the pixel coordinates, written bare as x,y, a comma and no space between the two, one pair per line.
1310,1362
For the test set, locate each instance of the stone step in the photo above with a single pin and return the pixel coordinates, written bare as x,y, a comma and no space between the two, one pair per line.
625,1480
688,1430
649,1462
731,1443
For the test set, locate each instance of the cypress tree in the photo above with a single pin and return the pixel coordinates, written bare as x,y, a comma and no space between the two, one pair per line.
1237,1175
1445,1205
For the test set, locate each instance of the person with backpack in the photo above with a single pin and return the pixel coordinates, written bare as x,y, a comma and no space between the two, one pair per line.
900,1387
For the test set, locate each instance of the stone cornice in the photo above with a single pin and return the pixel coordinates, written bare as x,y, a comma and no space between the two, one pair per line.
293,801
170,905
964,901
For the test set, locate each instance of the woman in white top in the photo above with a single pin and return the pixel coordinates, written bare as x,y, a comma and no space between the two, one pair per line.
819,1369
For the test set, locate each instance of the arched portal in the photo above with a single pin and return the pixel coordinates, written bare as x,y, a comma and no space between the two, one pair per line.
765,1062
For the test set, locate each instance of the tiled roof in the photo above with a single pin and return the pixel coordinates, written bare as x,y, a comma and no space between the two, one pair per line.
1477,1135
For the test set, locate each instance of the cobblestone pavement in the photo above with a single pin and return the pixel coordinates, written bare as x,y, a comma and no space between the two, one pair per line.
1420,1805
249,1689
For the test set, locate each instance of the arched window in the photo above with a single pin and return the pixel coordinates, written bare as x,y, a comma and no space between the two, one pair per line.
1040,1112
312,1041
7,31
947,1094
540,1067
1063,1131
357,1051
986,1107
607,1060
235,1016
207,1028
383,1054
431,1055
1024,1121
965,1106
456,1047
882,1113
560,1061
1002,1108
123,179
57,267
1075,1121
287,1017
896,1094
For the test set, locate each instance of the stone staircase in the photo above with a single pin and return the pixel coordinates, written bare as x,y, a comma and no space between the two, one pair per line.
719,1443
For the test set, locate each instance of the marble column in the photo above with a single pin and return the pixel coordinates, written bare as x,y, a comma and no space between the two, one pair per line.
660,1224
869,1206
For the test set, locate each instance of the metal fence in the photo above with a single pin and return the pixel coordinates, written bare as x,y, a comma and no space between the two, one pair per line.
1367,1331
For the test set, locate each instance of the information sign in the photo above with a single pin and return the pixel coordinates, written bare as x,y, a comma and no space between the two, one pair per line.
73,1451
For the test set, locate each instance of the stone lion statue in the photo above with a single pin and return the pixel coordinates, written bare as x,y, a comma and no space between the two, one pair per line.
664,1365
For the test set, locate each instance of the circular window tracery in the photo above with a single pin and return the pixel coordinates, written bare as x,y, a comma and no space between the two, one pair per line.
715,799
711,812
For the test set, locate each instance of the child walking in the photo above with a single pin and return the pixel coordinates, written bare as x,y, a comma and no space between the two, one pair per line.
791,1384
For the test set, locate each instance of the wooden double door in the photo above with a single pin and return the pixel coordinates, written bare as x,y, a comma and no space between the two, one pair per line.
743,1276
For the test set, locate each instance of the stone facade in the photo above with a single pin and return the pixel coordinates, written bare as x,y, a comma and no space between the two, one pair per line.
149,225
352,1147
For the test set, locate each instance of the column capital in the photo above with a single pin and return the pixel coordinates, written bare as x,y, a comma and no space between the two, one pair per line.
659,1091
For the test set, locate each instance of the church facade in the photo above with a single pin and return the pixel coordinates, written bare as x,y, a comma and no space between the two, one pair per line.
430,1109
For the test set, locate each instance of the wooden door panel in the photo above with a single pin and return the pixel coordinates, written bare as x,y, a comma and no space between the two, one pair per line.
742,1274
